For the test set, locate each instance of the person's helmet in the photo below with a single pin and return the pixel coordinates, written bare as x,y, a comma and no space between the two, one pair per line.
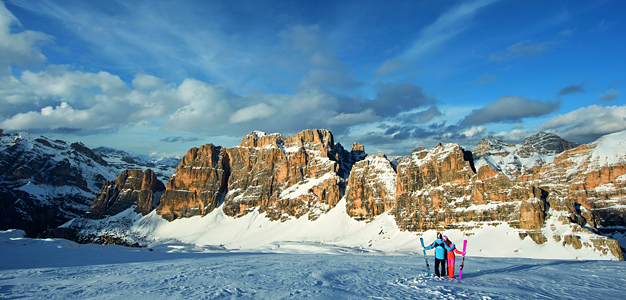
445,238
439,235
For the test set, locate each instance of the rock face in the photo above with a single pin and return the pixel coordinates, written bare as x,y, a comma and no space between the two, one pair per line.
587,189
581,188
131,188
429,186
283,176
371,188
198,184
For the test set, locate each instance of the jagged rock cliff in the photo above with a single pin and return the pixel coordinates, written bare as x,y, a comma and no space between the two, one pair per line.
283,176
198,184
132,188
587,191
371,188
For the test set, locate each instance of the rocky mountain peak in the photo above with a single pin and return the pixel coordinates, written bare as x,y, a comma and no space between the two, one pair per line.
259,139
81,148
565,200
371,188
544,143
357,147
524,158
131,188
492,145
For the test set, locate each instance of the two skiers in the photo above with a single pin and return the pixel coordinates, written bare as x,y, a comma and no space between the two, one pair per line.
444,254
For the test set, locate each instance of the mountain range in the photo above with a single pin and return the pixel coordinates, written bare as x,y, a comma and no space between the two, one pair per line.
544,197
45,182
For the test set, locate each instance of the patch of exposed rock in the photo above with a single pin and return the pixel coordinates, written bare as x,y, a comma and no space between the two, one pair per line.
132,188
198,184
371,188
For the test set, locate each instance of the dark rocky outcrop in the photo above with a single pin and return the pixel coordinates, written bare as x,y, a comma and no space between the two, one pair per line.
132,188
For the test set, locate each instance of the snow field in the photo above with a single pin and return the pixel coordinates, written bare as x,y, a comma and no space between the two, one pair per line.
60,269
254,232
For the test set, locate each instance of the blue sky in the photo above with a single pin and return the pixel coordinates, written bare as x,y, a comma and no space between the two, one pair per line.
160,77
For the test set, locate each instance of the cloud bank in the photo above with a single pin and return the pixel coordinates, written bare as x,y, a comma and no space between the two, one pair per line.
509,109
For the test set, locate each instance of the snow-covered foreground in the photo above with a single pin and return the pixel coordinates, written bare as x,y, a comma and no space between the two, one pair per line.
60,269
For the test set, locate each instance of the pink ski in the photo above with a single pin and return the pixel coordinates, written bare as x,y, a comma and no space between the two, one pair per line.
463,260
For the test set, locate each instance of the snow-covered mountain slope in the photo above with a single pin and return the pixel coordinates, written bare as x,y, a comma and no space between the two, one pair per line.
515,160
256,232
61,269
45,182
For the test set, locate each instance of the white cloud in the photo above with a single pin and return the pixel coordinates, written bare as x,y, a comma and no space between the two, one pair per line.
60,98
474,131
58,81
587,123
51,117
259,111
147,82
22,48
205,107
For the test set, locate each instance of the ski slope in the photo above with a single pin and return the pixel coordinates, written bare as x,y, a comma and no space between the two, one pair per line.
61,269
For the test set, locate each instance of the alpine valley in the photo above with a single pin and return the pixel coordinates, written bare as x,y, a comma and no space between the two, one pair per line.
542,198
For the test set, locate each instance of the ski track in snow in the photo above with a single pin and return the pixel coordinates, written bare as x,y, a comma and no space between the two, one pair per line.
60,269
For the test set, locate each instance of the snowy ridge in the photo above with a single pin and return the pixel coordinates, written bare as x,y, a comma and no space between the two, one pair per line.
610,149
26,147
515,160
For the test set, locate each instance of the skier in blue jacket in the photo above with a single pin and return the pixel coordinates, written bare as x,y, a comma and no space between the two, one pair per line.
440,255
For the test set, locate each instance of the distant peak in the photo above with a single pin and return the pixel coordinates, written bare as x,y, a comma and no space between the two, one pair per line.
257,133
